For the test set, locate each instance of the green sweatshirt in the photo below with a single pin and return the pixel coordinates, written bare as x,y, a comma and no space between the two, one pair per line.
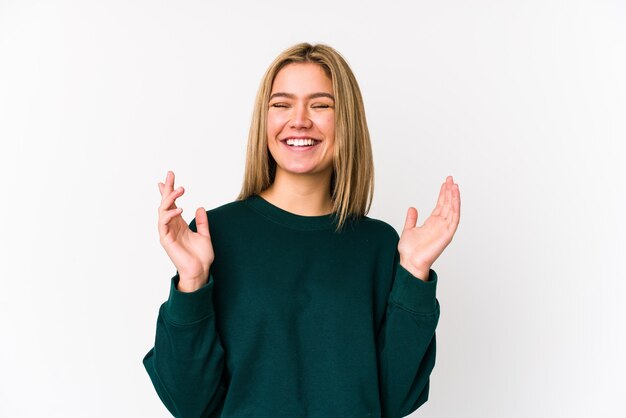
296,321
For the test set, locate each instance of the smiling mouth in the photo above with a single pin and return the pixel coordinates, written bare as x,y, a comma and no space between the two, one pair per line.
300,142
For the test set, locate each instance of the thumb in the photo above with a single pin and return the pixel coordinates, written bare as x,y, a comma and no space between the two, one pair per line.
411,218
202,222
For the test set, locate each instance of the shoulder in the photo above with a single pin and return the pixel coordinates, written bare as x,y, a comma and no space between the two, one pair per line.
376,240
379,229
222,214
228,209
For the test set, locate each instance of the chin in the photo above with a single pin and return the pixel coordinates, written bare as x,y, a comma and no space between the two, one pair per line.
300,169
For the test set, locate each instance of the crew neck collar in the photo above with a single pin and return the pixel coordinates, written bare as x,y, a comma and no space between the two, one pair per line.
291,220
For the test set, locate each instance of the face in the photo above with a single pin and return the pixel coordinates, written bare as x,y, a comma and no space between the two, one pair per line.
301,120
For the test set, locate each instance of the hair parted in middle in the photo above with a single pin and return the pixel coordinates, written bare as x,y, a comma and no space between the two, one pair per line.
352,180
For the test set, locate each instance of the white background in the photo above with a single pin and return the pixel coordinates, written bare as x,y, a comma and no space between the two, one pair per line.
524,102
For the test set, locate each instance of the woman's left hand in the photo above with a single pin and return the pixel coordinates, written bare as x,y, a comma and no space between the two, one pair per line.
420,246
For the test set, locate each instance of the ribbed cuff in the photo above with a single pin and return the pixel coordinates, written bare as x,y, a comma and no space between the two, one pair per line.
188,307
414,294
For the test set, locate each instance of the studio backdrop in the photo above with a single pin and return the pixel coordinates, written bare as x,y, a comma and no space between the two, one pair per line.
523,102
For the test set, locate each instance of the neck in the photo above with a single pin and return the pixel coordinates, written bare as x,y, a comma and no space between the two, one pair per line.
301,194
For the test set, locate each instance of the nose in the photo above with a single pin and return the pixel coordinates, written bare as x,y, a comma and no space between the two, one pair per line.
300,117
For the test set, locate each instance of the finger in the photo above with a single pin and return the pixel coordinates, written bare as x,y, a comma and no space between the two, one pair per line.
169,182
447,204
411,218
456,205
202,222
166,217
161,185
169,201
440,200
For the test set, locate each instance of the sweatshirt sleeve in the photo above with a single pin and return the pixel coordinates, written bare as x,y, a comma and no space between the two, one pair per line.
187,360
406,342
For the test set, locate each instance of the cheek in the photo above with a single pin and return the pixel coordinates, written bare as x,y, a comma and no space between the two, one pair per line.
271,128
328,126
275,123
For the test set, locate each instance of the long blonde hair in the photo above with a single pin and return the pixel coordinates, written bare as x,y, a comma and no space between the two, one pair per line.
352,180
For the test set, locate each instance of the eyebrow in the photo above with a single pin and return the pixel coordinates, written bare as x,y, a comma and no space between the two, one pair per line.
310,96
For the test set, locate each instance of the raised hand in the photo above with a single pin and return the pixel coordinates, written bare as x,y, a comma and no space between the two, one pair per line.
191,252
420,246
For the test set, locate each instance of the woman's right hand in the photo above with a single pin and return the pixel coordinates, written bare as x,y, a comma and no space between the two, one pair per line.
191,252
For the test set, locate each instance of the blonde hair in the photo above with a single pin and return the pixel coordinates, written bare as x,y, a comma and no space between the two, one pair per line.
352,180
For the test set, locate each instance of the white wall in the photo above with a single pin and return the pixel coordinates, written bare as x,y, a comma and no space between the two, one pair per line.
524,102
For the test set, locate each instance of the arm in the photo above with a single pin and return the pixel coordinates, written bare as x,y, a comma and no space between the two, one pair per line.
406,343
187,360
406,340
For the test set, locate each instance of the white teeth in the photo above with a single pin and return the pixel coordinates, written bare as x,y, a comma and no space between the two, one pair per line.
300,142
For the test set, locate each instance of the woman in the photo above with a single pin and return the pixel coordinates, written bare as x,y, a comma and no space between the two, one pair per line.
296,304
